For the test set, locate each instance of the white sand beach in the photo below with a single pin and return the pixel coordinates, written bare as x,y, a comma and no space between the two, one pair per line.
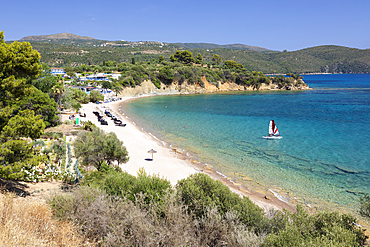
166,163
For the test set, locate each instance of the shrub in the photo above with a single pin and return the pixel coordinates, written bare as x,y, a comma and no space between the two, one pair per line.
142,221
321,229
36,174
93,179
68,122
200,191
29,222
88,207
156,82
88,125
67,176
118,184
220,229
365,206
114,221
53,135
166,75
125,185
153,187
95,96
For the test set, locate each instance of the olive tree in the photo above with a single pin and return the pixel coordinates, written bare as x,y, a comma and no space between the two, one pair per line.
97,147
95,96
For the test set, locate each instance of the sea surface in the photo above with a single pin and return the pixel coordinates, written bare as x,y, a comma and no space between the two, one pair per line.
323,159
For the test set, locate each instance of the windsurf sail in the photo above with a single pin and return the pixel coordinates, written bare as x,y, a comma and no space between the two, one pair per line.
273,129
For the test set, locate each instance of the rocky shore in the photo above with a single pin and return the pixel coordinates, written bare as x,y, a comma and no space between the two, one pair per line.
148,88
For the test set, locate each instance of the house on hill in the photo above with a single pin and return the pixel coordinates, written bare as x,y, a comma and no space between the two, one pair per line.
95,77
86,89
58,71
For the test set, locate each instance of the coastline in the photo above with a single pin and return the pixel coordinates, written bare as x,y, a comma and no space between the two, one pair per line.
267,199
169,162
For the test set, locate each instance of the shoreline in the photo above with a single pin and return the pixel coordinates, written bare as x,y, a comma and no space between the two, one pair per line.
169,162
266,200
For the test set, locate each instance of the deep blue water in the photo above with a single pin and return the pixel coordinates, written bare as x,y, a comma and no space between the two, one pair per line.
323,158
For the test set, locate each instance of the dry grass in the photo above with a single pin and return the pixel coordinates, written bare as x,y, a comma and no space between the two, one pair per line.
28,222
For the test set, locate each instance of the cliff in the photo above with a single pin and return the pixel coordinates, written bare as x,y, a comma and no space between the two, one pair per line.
148,88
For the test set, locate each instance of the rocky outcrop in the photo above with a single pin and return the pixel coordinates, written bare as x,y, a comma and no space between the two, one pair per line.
148,88
296,85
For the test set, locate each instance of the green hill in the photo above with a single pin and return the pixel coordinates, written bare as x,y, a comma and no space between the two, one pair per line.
213,46
72,50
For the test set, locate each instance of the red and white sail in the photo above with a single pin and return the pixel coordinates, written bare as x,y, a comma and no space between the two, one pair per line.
273,129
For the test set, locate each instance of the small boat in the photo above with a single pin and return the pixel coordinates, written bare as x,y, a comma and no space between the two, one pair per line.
273,132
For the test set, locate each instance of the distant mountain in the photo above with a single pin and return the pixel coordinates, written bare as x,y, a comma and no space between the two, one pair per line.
59,36
214,46
66,49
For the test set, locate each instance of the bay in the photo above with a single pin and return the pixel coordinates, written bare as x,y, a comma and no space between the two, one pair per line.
323,158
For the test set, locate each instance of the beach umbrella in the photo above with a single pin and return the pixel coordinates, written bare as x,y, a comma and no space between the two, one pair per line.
152,151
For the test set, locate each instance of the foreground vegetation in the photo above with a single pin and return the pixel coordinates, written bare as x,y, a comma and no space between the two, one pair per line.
114,208
29,222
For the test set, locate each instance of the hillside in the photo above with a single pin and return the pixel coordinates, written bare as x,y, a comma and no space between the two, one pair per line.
73,50
58,36
213,46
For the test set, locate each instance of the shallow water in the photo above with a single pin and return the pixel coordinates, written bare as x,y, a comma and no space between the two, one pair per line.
323,158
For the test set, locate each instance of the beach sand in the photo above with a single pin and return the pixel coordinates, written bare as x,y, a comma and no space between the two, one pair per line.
166,163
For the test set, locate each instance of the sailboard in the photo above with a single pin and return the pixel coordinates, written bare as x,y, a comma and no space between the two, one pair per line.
273,131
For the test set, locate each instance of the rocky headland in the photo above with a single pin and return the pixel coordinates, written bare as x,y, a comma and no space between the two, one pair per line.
148,88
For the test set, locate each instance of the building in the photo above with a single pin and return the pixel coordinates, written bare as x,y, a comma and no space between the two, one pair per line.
58,71
96,77
86,89
115,76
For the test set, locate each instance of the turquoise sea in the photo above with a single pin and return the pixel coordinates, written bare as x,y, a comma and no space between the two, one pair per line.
322,160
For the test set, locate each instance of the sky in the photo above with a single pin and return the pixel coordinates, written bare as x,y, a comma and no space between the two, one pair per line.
272,24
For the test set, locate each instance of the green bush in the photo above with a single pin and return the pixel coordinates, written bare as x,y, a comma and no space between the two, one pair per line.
119,184
365,206
200,191
93,179
119,209
114,221
156,82
88,125
166,75
122,184
153,187
95,96
320,229
53,135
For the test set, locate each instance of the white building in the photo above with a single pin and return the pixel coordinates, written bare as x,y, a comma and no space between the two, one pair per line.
57,71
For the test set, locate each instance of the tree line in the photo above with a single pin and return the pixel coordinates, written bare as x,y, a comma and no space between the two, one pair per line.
183,67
